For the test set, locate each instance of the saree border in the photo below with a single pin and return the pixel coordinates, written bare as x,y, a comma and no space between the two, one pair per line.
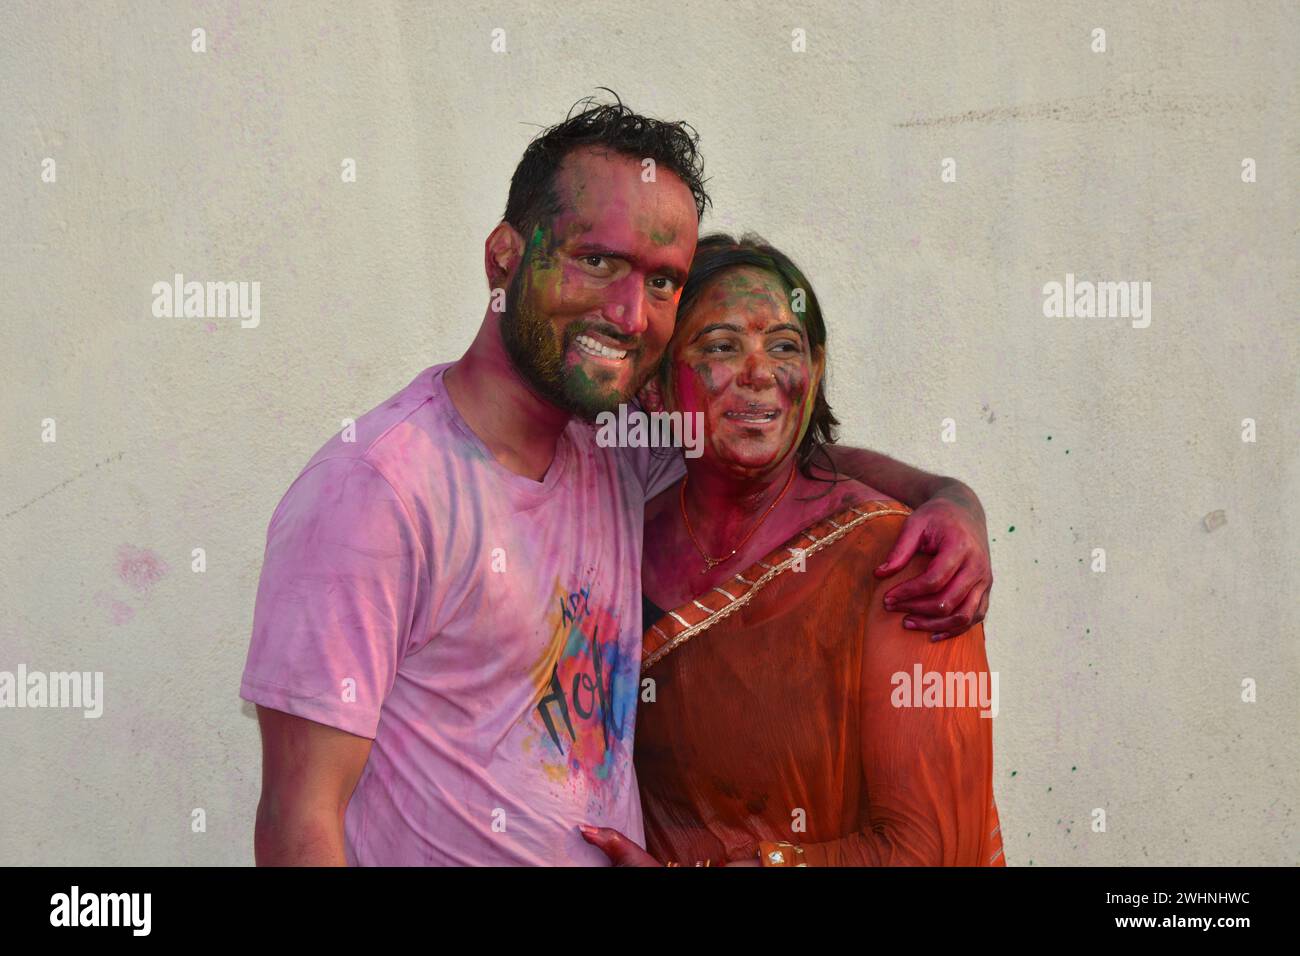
656,643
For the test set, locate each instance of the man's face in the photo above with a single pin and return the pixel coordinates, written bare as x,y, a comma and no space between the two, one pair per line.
592,304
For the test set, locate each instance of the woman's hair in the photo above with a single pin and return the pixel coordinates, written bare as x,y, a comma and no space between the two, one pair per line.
718,253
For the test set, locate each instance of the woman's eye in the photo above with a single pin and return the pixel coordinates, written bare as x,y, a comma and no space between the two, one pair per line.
718,347
786,347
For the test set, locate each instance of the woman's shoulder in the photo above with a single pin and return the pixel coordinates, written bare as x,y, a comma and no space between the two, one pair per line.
868,525
854,524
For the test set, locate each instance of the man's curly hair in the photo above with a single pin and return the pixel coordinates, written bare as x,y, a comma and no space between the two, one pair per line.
611,126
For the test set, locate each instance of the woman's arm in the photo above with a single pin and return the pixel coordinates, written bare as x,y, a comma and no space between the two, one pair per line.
926,752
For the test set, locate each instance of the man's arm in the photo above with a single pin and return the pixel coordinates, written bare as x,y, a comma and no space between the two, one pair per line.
343,577
947,521
912,486
309,771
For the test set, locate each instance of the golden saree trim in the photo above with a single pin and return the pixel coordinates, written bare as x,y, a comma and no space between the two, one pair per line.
673,630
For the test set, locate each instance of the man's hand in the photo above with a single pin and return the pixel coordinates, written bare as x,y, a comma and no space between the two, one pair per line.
620,850
952,594
947,521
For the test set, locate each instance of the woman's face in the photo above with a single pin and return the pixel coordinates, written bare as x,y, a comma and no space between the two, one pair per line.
742,358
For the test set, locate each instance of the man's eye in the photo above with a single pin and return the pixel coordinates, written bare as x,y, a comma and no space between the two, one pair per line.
663,284
602,267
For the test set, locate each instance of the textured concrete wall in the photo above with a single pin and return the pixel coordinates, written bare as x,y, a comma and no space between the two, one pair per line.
1120,690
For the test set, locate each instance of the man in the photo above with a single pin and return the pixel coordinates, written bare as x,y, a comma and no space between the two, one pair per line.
446,639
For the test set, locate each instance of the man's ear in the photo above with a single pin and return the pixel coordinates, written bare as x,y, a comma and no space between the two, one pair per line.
502,254
650,396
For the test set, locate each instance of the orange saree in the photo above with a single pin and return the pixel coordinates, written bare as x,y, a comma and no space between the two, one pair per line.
795,720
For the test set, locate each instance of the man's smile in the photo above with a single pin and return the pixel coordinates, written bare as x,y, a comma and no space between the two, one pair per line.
590,345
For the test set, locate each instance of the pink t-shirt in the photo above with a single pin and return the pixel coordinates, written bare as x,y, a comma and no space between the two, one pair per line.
482,628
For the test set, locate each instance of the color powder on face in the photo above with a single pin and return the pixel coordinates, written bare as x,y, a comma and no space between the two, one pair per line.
798,308
755,300
535,346
528,337
806,412
799,383
809,401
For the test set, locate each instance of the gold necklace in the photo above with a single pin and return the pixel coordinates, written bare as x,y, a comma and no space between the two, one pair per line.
711,563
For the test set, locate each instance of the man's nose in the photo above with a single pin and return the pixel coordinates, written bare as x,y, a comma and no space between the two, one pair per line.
625,307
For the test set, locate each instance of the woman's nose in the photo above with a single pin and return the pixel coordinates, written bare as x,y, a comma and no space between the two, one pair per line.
757,372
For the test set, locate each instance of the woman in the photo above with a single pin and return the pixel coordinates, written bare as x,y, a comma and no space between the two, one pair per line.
794,721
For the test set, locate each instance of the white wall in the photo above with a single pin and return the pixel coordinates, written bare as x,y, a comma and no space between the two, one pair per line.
1119,690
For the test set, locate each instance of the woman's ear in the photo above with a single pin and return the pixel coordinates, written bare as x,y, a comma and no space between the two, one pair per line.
650,396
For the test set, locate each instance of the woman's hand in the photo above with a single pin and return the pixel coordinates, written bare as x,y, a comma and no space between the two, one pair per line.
952,594
620,850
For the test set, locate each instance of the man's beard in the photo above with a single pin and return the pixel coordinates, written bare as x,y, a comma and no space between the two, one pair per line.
539,358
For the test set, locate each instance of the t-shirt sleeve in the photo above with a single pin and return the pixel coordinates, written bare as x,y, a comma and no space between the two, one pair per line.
341,579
